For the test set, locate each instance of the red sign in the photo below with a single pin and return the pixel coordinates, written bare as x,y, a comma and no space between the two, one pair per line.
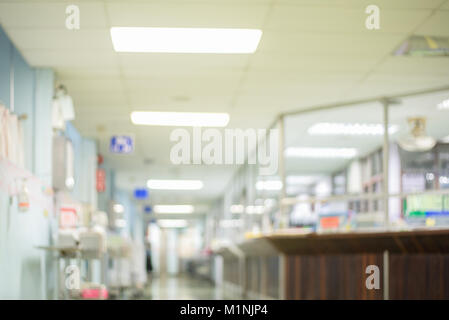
68,217
101,180
330,222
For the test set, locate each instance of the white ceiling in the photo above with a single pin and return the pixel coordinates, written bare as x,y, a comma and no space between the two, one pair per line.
311,52
418,106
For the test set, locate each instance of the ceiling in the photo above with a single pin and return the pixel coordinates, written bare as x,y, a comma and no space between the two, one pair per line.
311,52
418,106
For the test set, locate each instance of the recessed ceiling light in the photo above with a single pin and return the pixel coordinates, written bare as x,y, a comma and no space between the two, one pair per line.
327,128
120,223
172,223
118,208
345,153
237,208
185,40
176,208
174,184
269,185
231,223
255,209
180,119
443,105
302,180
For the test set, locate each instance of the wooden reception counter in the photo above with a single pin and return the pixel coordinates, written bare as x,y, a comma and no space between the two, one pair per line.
412,264
405,242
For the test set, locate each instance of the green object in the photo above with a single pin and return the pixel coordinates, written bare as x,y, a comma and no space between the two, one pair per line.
418,205
417,214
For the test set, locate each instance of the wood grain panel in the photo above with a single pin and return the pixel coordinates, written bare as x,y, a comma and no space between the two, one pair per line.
424,241
419,276
336,277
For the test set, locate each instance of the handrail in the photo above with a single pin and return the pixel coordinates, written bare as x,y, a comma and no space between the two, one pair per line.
360,196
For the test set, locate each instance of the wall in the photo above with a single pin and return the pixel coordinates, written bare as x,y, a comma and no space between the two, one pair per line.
25,271
85,166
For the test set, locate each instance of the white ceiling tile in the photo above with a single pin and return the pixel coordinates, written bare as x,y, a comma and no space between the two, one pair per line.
312,64
174,63
188,85
86,73
168,101
313,44
50,14
70,58
97,85
387,4
211,15
84,39
93,98
341,19
437,25
405,66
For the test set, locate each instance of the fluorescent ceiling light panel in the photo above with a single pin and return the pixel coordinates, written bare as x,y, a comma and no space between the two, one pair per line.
269,185
231,223
443,105
321,153
350,129
185,40
255,209
174,184
180,119
172,223
237,208
120,223
302,180
269,203
118,208
184,208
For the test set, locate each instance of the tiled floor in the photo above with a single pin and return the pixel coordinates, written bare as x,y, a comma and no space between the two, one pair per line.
181,288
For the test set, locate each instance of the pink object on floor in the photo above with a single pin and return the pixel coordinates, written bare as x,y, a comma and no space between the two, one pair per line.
94,294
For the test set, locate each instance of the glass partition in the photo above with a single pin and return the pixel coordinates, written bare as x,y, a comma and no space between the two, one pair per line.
331,172
335,166
423,159
330,154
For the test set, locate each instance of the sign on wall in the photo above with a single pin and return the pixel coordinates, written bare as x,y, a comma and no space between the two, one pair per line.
101,180
141,194
121,144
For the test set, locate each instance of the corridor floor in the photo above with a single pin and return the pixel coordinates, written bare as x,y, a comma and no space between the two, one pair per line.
181,288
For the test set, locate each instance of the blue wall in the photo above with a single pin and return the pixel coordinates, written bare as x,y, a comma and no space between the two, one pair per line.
25,271
85,158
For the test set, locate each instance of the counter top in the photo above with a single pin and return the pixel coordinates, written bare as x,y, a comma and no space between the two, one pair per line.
410,241
296,242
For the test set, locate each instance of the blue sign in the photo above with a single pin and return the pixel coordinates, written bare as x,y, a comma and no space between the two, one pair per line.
121,144
147,209
141,194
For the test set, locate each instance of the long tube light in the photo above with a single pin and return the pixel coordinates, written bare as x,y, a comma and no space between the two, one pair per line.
180,119
182,208
174,184
443,105
172,223
185,40
269,185
322,153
